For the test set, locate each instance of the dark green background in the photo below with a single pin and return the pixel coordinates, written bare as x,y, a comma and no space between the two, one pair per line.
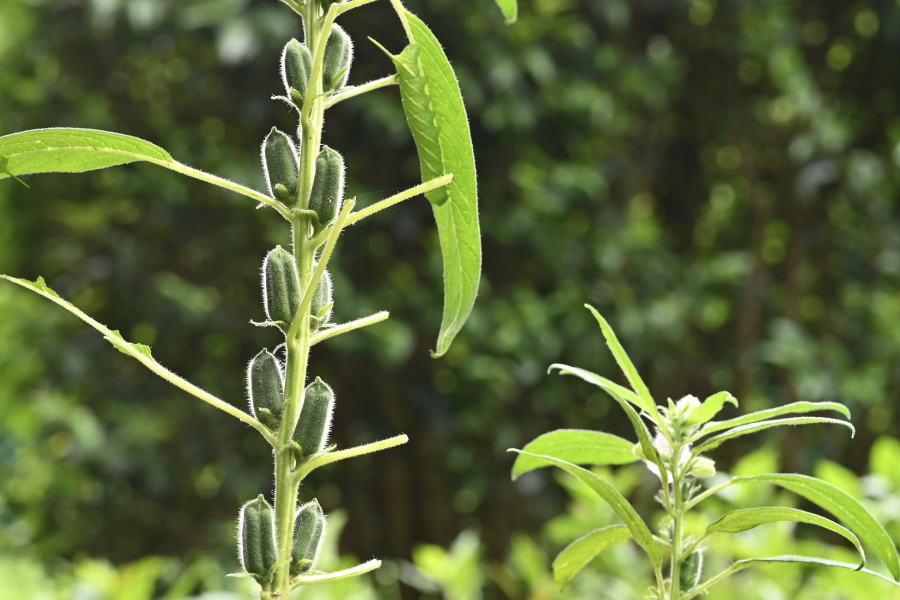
719,179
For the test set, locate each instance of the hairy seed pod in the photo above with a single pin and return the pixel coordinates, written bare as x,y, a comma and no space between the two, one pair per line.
337,59
265,385
314,423
327,193
309,530
322,301
256,538
281,165
296,67
281,287
691,570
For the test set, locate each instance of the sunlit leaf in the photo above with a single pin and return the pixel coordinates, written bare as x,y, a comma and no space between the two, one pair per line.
510,9
795,408
437,118
617,502
745,519
625,364
582,551
842,505
67,150
614,390
710,408
716,441
577,446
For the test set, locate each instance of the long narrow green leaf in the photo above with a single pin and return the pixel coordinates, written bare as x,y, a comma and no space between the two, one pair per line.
751,562
710,408
68,150
577,446
842,505
437,118
619,504
745,519
510,9
582,551
611,387
716,441
795,408
647,402
615,390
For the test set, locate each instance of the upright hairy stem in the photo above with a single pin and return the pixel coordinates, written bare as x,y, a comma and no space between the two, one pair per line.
677,529
298,342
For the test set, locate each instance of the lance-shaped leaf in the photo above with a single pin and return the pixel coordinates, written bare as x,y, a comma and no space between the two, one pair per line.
577,446
716,441
510,9
795,408
617,502
710,408
745,519
626,365
842,505
582,551
437,118
615,391
67,150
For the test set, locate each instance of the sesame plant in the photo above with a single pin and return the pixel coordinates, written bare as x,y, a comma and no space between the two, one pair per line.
278,543
677,453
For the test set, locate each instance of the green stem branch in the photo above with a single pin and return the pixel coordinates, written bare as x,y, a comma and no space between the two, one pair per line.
337,330
359,90
412,192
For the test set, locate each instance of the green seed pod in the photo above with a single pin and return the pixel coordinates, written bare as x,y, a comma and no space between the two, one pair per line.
322,301
328,185
337,59
281,165
314,423
691,570
309,530
265,386
296,67
281,287
256,538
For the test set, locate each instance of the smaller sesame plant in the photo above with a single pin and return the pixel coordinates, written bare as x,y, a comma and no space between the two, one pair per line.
677,451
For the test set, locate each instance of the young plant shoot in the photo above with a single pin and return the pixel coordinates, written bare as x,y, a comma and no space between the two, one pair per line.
677,454
278,544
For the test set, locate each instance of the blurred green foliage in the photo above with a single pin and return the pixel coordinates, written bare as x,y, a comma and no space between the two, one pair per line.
719,178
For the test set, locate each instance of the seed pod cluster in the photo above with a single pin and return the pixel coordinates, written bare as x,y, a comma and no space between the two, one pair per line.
282,293
337,59
314,423
309,529
256,539
265,386
281,165
327,193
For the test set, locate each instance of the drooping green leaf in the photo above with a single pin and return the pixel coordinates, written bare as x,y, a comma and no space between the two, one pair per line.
510,9
617,502
614,390
795,408
577,446
582,551
437,118
640,388
710,408
69,150
842,505
745,519
716,441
